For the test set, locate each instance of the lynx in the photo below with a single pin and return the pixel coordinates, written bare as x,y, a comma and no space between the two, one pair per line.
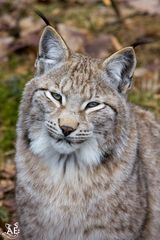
88,162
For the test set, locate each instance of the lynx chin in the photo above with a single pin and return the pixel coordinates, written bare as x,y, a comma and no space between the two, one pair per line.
88,162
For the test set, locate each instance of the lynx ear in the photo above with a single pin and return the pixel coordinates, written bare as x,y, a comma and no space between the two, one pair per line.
119,68
53,51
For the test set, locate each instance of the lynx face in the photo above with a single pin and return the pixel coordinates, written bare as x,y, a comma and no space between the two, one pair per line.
76,107
67,121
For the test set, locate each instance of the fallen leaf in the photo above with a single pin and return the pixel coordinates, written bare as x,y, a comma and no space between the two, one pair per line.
5,43
74,37
8,170
102,45
28,26
6,185
7,22
107,2
151,7
146,80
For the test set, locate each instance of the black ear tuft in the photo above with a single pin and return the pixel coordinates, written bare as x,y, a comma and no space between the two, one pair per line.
41,15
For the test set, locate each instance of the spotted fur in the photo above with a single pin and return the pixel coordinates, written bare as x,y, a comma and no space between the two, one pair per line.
100,182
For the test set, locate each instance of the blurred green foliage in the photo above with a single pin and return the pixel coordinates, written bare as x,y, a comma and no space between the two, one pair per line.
4,215
11,86
10,93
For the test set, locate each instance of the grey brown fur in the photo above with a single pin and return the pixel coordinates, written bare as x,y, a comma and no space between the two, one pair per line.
101,182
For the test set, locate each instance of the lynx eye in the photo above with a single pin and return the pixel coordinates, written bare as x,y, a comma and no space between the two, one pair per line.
92,105
56,96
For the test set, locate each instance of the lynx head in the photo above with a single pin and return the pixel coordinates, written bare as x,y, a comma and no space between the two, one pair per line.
76,104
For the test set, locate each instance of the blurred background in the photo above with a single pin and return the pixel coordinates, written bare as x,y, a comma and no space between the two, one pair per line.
94,27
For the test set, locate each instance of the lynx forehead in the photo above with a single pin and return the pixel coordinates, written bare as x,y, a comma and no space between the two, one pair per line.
87,161
81,75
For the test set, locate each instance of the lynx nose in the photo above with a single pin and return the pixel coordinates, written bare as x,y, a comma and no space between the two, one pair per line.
67,130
